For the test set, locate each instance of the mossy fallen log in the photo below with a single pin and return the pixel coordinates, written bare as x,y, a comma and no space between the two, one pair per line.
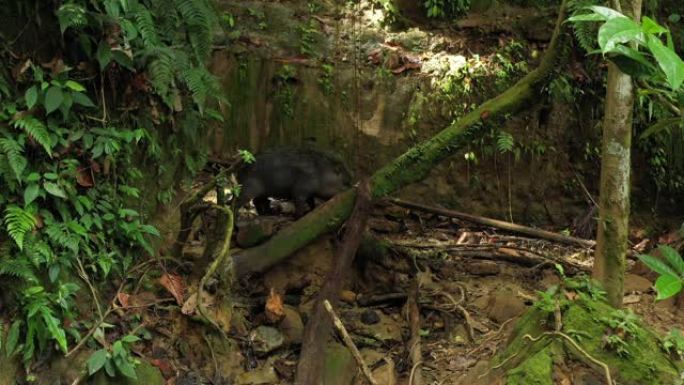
575,325
412,166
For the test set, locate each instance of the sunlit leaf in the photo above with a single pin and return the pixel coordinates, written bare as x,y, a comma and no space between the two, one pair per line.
667,286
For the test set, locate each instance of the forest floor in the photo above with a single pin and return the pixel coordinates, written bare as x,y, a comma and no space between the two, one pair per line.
474,283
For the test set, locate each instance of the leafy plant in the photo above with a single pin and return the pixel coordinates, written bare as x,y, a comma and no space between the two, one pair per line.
446,8
673,343
671,271
115,360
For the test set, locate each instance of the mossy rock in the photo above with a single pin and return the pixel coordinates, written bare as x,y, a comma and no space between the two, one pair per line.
640,361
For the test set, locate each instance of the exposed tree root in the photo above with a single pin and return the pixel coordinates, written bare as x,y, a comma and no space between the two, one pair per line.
310,366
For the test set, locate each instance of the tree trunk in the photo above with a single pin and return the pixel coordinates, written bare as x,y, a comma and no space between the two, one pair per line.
613,224
410,167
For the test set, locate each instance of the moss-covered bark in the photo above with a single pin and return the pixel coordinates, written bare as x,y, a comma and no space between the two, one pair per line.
412,166
613,224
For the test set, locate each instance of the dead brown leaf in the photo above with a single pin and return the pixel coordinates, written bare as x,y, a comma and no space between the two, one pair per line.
84,177
274,308
123,299
174,284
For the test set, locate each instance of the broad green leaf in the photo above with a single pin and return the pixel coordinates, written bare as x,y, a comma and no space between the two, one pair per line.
56,331
109,368
607,13
53,272
74,86
31,96
31,193
656,265
82,99
660,125
96,361
53,99
123,59
103,55
651,26
130,338
54,189
617,31
33,177
673,258
125,367
667,285
671,64
12,338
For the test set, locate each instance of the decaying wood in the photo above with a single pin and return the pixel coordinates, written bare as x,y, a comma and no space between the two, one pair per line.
310,366
412,166
348,342
508,226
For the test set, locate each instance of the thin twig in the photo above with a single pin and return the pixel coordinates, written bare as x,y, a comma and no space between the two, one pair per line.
348,342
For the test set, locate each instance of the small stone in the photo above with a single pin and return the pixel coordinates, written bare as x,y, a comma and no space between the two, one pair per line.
483,268
348,296
266,339
504,305
636,283
370,317
292,326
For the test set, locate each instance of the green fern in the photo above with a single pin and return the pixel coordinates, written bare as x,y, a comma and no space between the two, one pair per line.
162,74
17,268
39,252
146,27
505,142
13,151
71,16
199,20
585,32
201,83
37,130
60,235
18,222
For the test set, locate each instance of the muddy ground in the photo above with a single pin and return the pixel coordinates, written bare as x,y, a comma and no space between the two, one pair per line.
474,283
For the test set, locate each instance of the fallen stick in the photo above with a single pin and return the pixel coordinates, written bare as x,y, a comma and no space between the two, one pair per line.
348,342
538,233
415,355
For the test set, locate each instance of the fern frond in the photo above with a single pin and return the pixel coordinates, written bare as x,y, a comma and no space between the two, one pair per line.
13,151
148,31
585,32
37,130
39,252
60,235
71,16
162,75
201,83
18,222
199,19
18,268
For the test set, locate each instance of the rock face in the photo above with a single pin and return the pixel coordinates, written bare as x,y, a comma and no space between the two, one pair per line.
266,339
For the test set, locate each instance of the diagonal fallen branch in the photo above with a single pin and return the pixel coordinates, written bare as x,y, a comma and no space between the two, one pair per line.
412,166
